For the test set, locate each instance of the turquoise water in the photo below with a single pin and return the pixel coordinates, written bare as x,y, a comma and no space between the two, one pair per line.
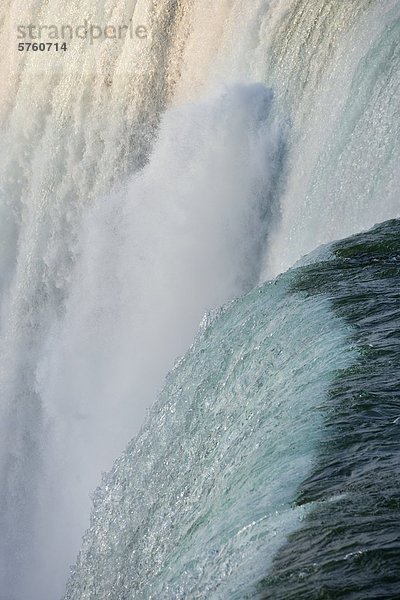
202,499
269,466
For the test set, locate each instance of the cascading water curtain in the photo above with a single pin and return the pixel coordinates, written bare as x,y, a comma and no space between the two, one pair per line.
159,161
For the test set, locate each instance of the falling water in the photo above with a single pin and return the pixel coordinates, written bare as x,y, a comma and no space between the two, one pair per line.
145,181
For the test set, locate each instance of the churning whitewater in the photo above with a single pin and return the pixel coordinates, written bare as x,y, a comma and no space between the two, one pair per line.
144,183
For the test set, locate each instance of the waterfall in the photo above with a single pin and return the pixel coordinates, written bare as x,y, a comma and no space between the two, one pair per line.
145,181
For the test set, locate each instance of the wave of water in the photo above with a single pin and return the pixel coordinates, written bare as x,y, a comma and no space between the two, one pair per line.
268,468
202,499
101,290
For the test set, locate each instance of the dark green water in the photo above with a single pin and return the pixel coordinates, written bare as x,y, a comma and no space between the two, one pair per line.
350,548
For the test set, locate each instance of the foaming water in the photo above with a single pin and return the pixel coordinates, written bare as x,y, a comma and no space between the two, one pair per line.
104,275
344,161
72,126
186,236
335,71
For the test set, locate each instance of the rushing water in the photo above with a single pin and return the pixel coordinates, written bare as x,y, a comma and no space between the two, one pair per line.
269,466
144,182
351,549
